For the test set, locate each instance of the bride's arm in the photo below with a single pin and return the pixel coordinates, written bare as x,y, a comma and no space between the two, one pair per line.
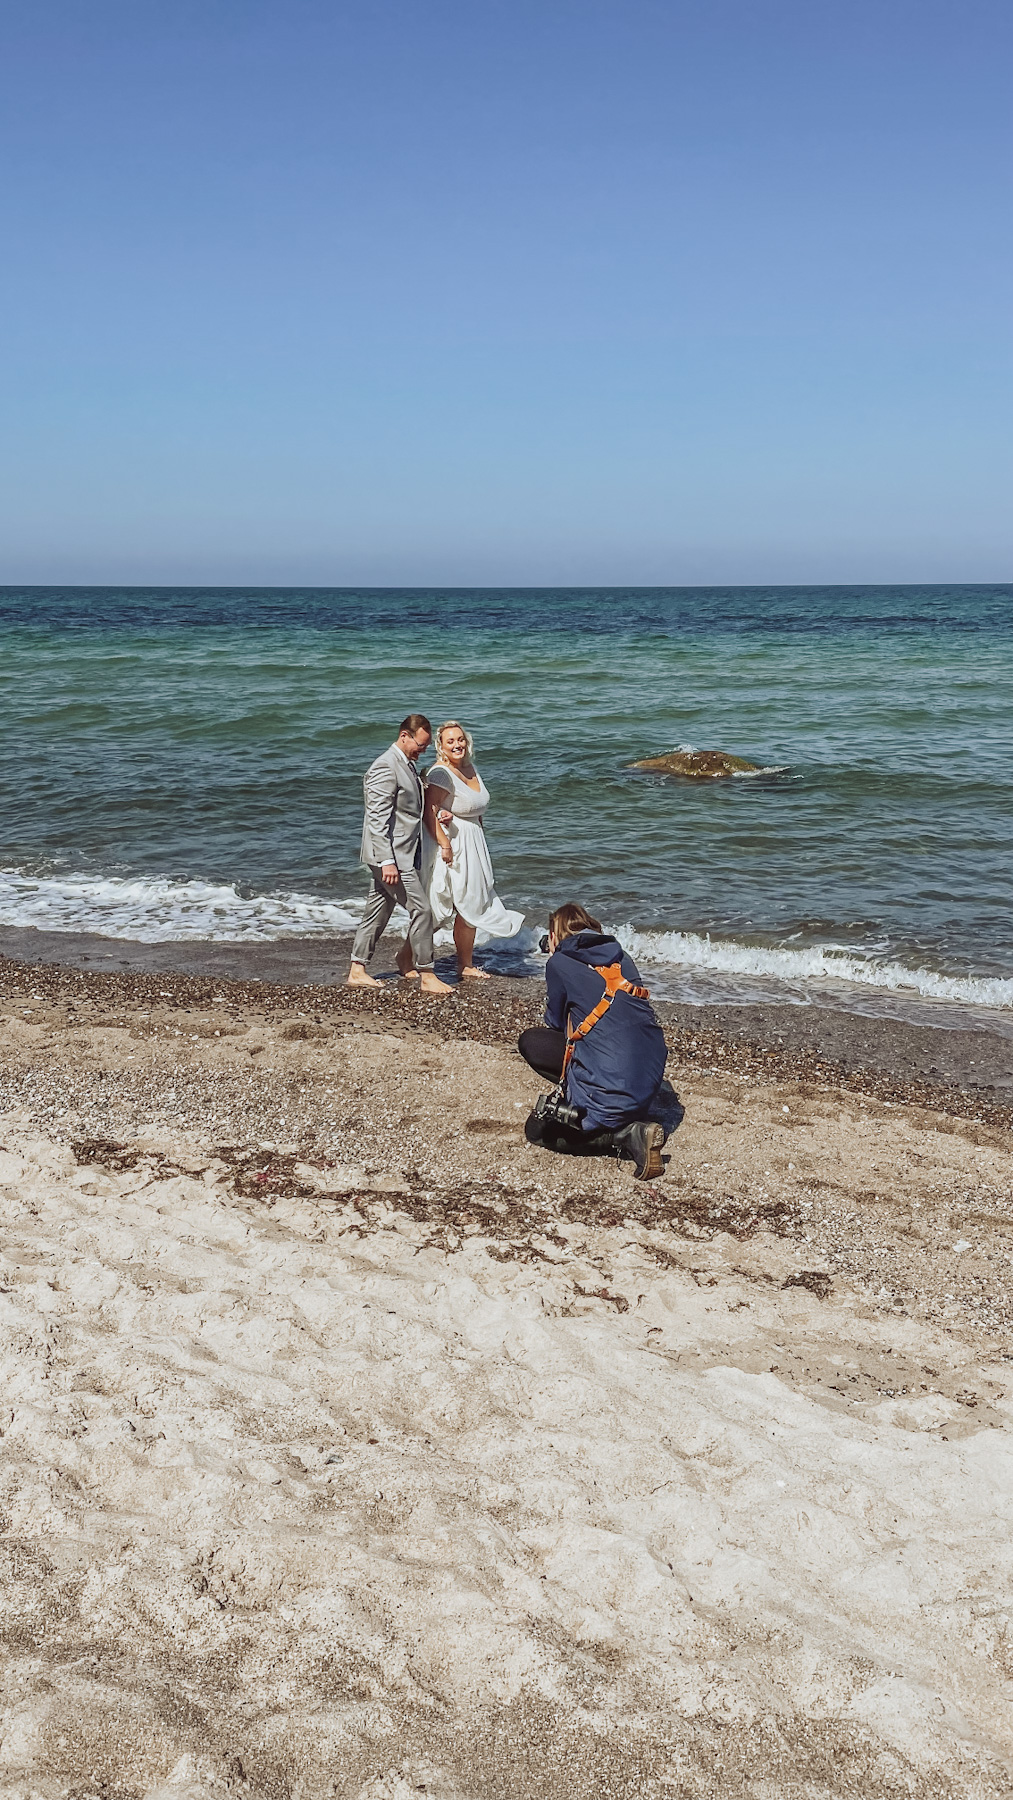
436,802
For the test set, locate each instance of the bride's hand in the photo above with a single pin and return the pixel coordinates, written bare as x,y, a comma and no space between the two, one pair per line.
447,853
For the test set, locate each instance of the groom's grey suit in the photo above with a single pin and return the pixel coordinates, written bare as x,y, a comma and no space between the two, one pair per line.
392,833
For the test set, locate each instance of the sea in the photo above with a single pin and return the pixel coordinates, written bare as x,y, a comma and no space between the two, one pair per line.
181,764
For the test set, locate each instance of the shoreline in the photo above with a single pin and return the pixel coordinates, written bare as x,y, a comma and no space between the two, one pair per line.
967,1071
319,959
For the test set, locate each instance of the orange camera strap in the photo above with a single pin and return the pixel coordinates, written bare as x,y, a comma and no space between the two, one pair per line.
615,983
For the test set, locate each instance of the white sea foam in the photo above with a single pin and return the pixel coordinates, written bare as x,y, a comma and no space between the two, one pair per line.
154,909
815,964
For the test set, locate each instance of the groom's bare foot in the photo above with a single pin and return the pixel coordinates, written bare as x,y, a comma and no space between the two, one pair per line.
406,963
357,976
431,984
473,974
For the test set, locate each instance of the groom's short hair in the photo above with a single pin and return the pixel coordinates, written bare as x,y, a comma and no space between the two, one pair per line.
415,722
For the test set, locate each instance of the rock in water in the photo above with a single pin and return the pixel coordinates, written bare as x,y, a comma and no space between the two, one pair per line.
698,765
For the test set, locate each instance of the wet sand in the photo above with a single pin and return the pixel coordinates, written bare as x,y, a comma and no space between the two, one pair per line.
977,1062
352,1446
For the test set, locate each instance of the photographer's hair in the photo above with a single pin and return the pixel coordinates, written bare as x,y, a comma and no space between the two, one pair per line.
452,725
571,918
415,722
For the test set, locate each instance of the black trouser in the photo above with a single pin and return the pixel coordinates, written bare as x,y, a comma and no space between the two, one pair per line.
543,1050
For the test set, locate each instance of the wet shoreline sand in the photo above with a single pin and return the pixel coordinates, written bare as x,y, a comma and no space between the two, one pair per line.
964,1070
354,1447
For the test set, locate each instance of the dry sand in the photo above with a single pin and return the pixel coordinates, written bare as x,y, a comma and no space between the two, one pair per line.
353,1447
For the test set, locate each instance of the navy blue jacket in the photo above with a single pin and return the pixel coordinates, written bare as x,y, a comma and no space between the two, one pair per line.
617,1068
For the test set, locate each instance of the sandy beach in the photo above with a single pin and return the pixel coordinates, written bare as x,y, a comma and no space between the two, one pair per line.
352,1446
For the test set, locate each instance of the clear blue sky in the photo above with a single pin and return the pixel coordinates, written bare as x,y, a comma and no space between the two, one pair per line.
506,291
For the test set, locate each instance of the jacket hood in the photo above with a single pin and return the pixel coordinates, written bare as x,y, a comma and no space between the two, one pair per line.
593,947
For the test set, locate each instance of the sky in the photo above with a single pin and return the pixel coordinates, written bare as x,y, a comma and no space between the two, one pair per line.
506,292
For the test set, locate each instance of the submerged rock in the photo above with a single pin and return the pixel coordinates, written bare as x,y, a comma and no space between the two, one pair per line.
698,765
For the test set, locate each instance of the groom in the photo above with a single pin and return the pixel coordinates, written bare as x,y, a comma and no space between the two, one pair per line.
392,852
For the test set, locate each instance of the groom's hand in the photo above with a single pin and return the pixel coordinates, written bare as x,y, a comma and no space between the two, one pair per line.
389,874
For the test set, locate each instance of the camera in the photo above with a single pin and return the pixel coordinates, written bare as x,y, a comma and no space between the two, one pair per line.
555,1109
543,944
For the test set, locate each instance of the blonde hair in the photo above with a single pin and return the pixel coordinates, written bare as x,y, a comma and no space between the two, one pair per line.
452,725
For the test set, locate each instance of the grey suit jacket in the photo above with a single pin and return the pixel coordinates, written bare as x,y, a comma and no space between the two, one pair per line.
392,828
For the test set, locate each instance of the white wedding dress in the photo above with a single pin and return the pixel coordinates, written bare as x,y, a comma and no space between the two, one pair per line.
467,885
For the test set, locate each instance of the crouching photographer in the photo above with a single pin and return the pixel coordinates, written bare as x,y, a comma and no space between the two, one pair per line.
601,1044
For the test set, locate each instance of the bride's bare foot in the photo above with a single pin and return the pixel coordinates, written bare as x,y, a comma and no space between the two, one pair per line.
406,963
431,984
473,974
357,976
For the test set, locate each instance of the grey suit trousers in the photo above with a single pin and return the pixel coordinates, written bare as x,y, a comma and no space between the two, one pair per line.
409,891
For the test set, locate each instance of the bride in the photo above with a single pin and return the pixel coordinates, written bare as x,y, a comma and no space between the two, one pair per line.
458,872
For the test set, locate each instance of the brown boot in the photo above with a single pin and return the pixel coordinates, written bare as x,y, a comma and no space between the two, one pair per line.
642,1141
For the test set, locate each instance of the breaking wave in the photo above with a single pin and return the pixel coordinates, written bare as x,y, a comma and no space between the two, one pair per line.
154,909
810,965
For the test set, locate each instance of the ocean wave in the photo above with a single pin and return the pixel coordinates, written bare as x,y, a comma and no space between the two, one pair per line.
155,909
814,964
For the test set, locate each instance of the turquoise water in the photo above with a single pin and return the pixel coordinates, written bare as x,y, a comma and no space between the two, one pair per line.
190,763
